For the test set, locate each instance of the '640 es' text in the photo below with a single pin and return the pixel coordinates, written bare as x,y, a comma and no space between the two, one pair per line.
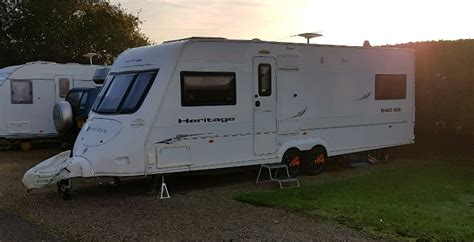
390,110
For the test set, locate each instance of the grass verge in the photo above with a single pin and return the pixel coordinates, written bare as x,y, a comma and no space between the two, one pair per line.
412,199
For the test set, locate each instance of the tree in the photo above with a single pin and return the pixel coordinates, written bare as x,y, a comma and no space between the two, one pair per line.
64,30
6,18
444,89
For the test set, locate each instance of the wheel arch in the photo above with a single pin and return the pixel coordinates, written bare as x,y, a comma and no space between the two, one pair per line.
303,145
324,149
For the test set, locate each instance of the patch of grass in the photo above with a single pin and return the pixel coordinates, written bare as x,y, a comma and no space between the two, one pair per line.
403,199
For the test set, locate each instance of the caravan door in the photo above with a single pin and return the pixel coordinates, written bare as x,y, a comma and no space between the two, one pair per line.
264,106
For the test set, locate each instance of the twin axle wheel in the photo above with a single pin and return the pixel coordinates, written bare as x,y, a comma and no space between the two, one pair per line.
311,163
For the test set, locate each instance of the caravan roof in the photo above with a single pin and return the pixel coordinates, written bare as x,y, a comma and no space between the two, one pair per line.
5,72
220,39
46,70
169,52
9,69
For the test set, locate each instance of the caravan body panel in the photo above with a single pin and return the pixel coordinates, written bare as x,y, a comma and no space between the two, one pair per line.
324,95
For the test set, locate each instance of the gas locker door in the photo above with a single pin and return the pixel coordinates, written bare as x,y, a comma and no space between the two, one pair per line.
264,106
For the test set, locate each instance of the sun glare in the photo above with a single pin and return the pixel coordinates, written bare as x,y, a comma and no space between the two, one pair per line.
340,21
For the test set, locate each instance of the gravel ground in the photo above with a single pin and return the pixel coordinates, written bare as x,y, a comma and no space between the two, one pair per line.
15,228
201,207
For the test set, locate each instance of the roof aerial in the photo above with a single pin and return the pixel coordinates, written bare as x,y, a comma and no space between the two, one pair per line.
90,56
308,36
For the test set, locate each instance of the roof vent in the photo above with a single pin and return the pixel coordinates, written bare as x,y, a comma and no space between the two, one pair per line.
90,56
40,62
100,75
367,44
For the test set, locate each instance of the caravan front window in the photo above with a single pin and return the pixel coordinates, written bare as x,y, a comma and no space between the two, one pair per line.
124,92
139,87
114,95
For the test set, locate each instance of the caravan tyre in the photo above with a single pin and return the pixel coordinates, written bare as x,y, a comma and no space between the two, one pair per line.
292,159
316,160
62,116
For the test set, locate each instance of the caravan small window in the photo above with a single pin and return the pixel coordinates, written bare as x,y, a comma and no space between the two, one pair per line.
64,87
264,80
390,86
21,92
208,88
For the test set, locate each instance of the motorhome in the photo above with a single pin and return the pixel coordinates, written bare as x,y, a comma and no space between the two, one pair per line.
29,92
209,103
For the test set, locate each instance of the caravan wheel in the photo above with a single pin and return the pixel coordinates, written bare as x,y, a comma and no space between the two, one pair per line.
317,160
292,159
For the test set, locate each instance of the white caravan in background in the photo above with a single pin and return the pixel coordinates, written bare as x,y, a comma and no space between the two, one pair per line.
208,103
29,92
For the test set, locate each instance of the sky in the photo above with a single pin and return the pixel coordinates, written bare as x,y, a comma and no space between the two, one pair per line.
342,22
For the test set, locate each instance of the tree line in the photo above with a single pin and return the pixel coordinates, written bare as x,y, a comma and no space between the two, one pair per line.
64,30
444,85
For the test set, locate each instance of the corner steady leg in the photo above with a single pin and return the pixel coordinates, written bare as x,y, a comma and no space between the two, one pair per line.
164,194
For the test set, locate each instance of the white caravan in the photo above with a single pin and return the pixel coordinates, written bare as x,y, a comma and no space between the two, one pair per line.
208,103
29,92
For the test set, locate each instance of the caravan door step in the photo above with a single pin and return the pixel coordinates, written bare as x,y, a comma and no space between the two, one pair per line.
276,174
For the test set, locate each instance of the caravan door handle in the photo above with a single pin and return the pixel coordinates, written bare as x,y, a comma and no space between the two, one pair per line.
138,123
257,104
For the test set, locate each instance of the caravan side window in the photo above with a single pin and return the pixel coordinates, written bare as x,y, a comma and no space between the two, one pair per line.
390,86
64,87
21,92
208,88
